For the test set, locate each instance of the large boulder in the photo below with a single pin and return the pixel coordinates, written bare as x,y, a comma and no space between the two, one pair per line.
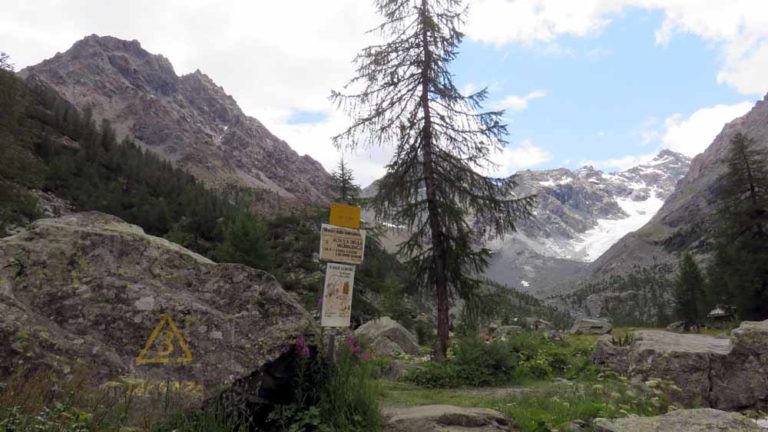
87,290
715,372
693,420
591,327
444,418
387,337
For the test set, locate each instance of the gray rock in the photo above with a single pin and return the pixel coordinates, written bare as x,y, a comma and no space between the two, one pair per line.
716,372
188,120
591,327
444,418
387,337
677,327
694,420
86,290
538,324
506,331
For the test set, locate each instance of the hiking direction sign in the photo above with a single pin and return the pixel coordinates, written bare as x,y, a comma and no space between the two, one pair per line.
342,245
337,295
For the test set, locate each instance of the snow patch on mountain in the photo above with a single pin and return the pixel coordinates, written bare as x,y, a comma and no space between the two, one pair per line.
599,239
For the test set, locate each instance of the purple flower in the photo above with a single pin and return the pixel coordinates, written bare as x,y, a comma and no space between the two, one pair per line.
351,340
356,349
301,347
366,356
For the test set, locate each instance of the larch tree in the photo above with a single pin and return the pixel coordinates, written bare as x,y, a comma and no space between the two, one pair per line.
343,184
5,62
403,97
689,289
739,272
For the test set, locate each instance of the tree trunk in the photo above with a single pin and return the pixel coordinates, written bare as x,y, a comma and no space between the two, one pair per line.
433,210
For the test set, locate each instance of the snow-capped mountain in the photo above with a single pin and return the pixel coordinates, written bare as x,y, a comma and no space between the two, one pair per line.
580,214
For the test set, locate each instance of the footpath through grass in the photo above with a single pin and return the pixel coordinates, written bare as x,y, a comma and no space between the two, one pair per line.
540,384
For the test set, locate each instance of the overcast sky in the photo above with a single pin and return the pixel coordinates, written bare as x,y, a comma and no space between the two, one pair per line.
604,82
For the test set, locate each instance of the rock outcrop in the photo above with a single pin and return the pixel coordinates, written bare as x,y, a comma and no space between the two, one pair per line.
579,214
388,337
591,327
188,120
86,291
444,418
694,420
719,373
683,222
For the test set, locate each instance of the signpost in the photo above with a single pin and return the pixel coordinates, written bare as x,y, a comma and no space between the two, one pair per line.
337,295
342,245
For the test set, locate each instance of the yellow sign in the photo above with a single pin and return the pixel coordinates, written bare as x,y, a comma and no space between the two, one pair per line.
346,216
165,345
337,295
341,245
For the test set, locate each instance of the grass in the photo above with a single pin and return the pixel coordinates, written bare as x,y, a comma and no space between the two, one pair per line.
543,406
541,403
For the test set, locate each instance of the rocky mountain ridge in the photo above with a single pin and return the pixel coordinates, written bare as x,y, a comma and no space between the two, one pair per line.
684,221
186,119
579,215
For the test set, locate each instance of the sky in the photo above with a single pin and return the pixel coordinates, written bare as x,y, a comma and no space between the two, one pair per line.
607,83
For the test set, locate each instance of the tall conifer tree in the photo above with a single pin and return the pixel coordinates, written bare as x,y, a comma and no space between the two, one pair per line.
404,98
343,184
689,288
739,273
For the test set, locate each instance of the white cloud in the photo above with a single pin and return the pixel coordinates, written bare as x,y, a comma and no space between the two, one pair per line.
738,28
519,103
275,58
512,159
690,136
620,163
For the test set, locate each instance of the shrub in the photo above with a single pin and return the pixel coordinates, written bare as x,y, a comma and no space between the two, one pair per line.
523,357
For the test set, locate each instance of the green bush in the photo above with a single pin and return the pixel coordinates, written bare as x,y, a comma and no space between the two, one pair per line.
332,398
524,357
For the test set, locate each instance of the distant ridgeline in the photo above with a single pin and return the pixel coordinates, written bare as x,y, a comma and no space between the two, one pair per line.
641,297
499,303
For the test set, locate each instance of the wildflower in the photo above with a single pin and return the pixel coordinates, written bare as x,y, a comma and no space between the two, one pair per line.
351,340
301,347
366,356
356,349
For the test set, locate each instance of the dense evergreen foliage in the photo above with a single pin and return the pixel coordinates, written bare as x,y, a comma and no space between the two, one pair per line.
343,184
404,97
639,298
689,291
48,145
738,275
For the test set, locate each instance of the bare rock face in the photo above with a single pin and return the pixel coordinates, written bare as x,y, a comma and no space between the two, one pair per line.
694,420
681,223
388,337
720,373
86,291
591,327
444,418
188,120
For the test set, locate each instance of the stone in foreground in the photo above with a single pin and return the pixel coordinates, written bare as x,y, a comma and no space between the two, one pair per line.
694,420
591,327
85,292
444,418
387,337
715,372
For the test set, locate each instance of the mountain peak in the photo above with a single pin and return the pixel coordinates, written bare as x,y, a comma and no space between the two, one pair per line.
189,120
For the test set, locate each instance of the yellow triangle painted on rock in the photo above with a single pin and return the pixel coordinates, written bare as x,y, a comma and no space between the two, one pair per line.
168,342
